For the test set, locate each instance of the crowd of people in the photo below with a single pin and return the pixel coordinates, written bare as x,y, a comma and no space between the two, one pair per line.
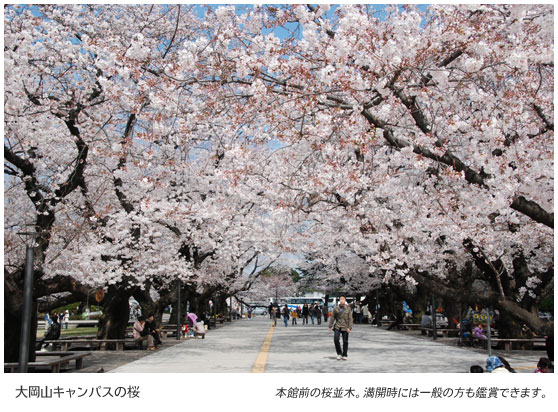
306,313
314,313
63,318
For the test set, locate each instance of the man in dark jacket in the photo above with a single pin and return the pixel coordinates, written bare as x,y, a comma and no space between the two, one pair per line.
53,333
318,313
150,325
341,323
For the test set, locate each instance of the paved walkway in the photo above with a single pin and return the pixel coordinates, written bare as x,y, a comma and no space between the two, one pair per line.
252,346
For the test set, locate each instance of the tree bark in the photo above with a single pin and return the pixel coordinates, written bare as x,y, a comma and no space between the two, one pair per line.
13,311
116,311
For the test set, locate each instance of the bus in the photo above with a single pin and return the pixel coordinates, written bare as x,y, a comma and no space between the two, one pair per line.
334,301
296,301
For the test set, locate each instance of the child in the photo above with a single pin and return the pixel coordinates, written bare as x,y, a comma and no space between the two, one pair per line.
543,366
478,332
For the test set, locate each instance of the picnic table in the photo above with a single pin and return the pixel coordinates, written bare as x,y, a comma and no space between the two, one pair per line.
60,359
65,344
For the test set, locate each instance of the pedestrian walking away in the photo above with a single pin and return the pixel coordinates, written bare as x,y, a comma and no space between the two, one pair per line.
341,323
285,313
318,313
270,310
273,313
305,313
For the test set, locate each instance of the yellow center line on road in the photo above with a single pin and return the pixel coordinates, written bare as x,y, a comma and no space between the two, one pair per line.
261,360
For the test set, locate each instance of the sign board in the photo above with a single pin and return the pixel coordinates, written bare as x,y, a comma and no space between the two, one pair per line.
99,295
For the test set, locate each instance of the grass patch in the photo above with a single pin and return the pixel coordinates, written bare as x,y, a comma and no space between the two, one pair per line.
72,332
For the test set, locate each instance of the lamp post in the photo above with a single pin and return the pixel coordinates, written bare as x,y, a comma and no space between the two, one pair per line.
433,312
25,334
178,309
489,341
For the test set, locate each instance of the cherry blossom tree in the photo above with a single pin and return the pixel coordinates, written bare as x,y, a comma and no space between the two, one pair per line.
429,134
150,143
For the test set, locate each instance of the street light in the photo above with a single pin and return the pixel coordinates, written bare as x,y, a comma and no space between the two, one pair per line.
489,341
25,334
178,309
433,312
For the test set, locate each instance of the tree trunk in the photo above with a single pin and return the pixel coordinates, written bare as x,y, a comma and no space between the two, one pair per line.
508,328
151,307
12,329
13,312
116,312
185,296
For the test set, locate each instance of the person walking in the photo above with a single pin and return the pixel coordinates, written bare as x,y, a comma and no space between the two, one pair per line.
313,313
270,310
285,313
341,323
66,319
305,312
365,313
318,313
273,314
294,315
358,313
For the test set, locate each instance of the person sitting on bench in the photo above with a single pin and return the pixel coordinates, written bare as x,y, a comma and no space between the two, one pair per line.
53,333
150,325
141,333
478,332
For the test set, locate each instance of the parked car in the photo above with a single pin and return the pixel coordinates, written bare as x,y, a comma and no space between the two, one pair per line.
260,311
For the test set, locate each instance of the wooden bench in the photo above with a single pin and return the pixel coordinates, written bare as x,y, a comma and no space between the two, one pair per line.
410,326
444,332
167,330
62,359
102,344
509,343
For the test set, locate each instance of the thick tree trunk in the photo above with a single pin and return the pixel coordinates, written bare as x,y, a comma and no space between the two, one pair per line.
13,312
151,307
12,330
116,312
507,326
221,305
185,296
522,315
